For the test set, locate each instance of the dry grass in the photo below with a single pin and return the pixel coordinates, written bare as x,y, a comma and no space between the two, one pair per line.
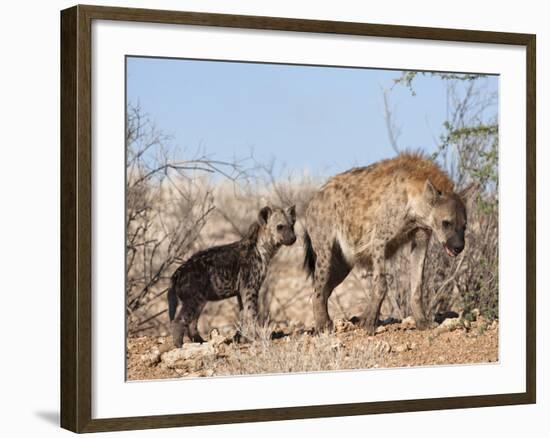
299,352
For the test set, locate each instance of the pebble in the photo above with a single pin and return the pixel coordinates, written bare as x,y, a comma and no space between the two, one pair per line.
408,323
401,348
151,358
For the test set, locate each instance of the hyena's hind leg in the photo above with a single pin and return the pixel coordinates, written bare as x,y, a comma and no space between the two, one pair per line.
178,327
330,270
179,330
185,324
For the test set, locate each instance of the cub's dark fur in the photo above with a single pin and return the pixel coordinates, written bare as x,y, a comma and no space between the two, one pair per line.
236,269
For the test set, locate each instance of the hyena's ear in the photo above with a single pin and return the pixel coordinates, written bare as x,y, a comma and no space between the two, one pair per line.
469,192
291,211
431,193
263,215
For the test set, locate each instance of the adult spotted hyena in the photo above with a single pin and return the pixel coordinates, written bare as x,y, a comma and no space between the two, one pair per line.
236,269
362,216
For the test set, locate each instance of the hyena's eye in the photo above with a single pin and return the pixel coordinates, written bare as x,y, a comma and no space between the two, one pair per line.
446,225
280,227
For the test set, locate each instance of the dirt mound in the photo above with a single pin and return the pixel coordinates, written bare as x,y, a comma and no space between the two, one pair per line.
454,341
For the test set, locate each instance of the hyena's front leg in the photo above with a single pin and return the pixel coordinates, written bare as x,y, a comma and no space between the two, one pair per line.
249,314
419,248
249,297
369,318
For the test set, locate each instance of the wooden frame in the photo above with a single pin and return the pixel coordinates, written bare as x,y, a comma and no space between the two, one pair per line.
76,177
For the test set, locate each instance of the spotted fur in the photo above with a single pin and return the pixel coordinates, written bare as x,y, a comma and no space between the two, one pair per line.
363,216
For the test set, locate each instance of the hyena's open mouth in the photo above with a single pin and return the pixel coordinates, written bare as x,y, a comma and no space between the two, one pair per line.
450,252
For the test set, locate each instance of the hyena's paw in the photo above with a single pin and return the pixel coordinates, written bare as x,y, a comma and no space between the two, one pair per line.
324,326
198,338
368,326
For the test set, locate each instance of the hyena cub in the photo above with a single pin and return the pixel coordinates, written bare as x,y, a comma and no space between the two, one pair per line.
236,269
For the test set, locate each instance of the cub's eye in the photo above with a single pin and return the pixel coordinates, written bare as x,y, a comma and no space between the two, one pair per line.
280,227
446,224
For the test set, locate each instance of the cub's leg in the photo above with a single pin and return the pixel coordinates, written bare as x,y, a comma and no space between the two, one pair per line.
249,314
179,330
192,318
185,324
249,300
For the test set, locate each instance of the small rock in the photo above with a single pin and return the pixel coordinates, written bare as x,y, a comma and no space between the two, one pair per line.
413,346
381,329
151,358
342,325
401,348
494,325
163,348
184,356
408,323
449,325
381,347
475,313
216,339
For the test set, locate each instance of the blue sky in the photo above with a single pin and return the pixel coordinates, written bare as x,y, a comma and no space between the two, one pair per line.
323,119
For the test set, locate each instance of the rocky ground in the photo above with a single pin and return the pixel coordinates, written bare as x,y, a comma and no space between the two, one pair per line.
295,349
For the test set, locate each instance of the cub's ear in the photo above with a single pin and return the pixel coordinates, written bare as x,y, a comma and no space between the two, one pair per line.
431,193
263,215
291,211
469,192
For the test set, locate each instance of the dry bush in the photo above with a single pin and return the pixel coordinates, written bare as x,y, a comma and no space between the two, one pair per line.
167,204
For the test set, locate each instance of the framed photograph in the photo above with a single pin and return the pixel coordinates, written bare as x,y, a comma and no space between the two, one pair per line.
269,218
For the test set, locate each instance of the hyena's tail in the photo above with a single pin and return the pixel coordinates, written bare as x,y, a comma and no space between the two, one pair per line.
172,303
310,257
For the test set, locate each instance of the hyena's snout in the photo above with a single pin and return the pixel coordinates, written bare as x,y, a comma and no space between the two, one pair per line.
454,246
289,238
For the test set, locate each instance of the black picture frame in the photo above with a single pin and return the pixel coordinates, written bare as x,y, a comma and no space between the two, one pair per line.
76,217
